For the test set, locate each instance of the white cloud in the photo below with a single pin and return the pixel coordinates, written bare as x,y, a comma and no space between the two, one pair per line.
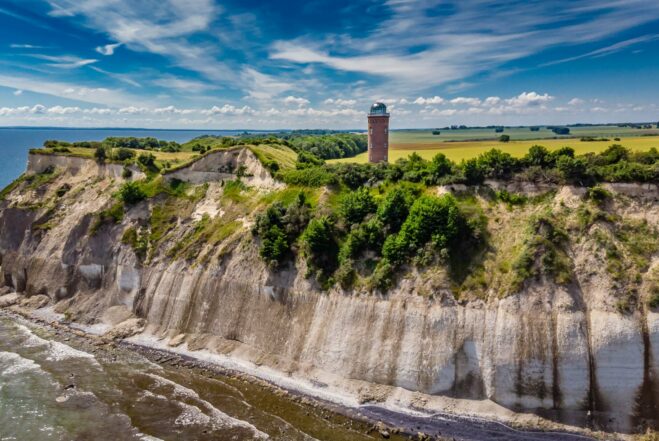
340,102
575,102
108,49
491,101
228,109
295,100
18,92
467,101
172,110
529,99
132,110
431,100
262,86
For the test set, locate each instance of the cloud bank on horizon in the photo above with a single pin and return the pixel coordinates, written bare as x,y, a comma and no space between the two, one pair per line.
300,64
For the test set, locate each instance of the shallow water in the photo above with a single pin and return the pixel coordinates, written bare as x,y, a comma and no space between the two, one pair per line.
70,390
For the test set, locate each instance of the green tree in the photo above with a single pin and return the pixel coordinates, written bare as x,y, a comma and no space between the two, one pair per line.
473,171
439,167
356,205
539,156
123,154
504,138
432,219
395,207
572,169
100,154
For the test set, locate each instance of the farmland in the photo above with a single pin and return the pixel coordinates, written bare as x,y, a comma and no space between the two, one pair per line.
468,143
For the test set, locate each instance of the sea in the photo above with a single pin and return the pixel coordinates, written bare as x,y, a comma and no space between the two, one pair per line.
15,142
60,387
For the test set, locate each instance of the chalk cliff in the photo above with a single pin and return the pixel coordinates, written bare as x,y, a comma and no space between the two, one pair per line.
585,352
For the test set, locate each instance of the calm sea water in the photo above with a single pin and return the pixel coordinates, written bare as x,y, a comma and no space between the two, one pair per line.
15,142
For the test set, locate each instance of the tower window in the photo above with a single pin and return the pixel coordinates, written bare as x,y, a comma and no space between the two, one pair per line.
371,130
386,130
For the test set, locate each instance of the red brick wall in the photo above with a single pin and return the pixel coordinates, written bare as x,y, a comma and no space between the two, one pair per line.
378,138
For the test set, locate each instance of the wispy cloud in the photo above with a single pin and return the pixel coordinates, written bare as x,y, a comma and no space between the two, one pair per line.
108,49
64,61
27,46
473,37
120,77
181,84
608,50
71,91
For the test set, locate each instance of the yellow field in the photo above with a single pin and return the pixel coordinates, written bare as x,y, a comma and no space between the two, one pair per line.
457,151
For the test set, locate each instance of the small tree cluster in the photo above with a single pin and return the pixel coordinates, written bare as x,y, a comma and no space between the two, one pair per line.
279,227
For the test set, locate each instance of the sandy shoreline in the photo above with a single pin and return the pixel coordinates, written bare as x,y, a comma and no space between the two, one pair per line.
377,418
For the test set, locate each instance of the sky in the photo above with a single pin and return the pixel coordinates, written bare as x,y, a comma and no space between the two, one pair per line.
287,64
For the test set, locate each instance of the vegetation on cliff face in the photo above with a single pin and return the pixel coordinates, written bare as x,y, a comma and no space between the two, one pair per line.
367,227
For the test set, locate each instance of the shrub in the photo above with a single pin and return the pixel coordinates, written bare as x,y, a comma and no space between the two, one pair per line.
114,215
308,177
148,161
598,194
571,169
431,219
615,153
274,245
497,164
307,159
539,156
511,198
356,205
473,172
131,193
383,276
439,167
395,207
319,246
279,227
504,138
100,154
126,173
123,154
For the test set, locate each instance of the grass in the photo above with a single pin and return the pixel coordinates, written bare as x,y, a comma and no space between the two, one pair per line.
401,146
283,155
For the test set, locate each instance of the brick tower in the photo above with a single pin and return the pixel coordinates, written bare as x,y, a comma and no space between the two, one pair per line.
378,133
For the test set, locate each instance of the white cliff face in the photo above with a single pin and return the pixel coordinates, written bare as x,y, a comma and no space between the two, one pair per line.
563,352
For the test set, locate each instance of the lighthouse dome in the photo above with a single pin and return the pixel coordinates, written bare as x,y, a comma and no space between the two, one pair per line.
378,109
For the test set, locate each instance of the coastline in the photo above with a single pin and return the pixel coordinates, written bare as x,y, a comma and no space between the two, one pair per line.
385,421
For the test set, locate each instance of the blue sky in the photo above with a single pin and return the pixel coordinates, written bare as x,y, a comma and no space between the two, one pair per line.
320,63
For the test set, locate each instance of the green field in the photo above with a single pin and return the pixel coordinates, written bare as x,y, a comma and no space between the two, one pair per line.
464,144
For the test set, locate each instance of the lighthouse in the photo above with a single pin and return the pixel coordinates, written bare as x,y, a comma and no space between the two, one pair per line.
378,133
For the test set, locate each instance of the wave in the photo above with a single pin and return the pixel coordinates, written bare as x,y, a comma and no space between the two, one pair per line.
194,414
13,364
55,350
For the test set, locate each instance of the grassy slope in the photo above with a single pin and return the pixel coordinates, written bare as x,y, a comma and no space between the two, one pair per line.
283,155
